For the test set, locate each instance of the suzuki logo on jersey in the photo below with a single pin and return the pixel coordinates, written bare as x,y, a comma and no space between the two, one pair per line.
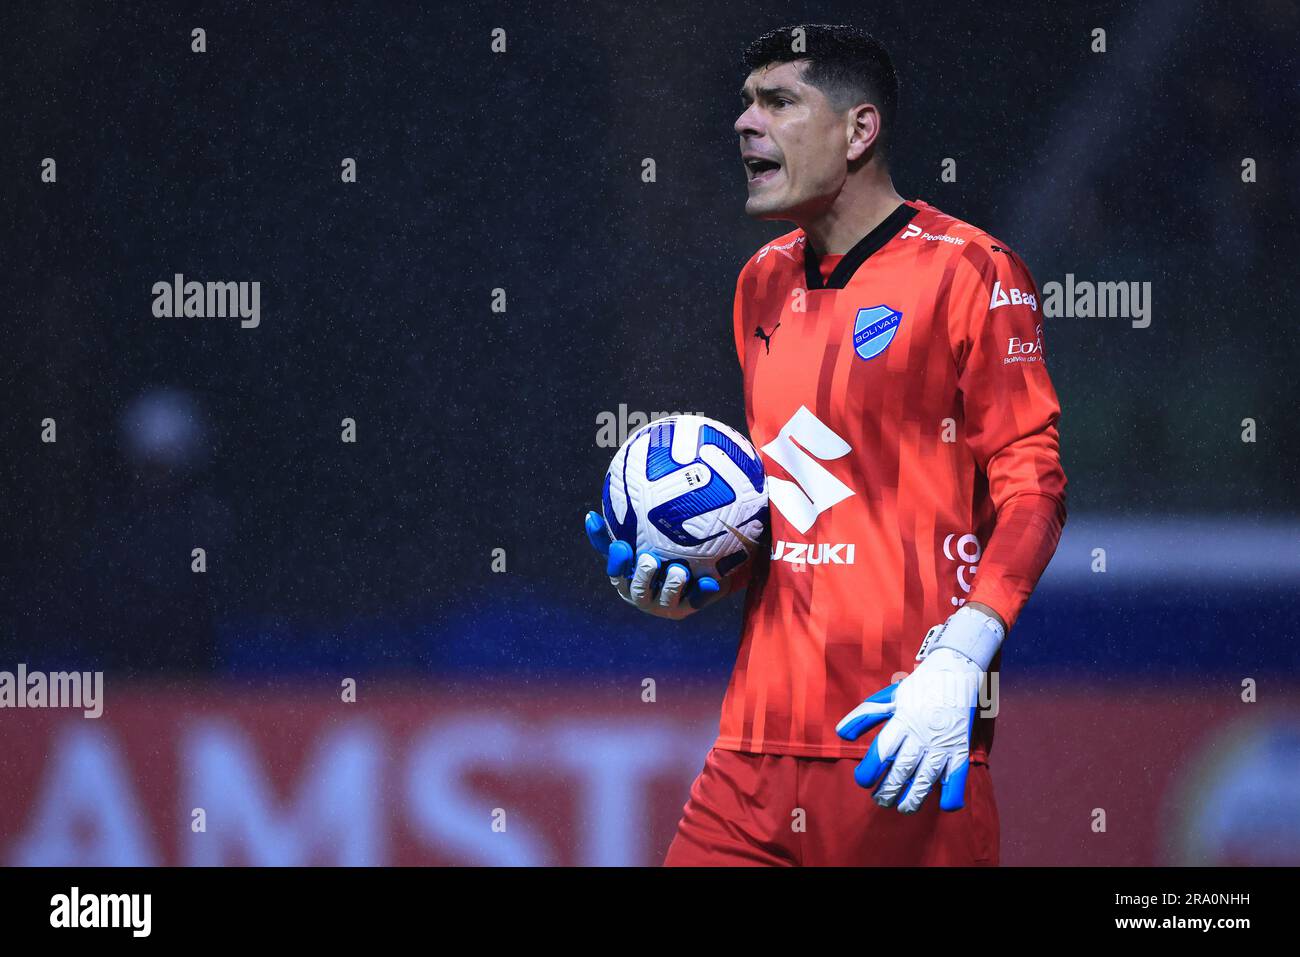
1011,297
801,442
874,329
800,553
816,489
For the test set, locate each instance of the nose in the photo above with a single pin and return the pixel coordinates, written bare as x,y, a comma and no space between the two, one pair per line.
749,122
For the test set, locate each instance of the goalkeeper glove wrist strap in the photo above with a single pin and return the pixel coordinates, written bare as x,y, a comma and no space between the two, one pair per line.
968,632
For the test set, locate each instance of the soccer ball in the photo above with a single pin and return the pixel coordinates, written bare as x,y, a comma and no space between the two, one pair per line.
689,489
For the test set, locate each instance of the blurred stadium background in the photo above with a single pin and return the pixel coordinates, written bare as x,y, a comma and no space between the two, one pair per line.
521,690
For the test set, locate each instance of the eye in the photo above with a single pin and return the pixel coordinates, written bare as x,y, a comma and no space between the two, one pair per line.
781,101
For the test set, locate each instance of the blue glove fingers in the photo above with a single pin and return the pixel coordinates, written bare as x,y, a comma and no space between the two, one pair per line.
617,554
953,795
867,715
597,533
872,770
701,591
619,560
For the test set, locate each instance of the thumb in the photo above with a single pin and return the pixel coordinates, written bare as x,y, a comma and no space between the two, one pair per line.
867,715
597,533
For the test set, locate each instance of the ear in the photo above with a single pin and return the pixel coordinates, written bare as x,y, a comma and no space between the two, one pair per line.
862,131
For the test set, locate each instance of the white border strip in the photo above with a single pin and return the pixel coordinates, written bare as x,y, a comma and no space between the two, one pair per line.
1240,550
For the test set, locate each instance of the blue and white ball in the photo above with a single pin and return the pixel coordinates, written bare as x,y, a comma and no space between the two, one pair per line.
689,489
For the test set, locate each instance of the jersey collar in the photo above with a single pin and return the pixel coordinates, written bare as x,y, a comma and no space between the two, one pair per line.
871,243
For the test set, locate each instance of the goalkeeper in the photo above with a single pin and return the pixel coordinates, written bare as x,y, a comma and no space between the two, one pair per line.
896,384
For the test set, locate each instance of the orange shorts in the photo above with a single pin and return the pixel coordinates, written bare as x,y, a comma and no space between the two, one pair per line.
785,811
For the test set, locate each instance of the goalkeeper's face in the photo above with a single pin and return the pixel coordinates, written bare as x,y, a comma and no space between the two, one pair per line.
792,144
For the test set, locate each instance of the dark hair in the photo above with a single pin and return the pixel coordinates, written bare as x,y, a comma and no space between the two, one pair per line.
847,64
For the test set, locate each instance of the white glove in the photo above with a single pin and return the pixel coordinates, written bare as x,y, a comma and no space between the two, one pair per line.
930,714
635,580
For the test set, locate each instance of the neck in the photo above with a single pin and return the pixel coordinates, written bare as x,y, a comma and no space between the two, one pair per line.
867,199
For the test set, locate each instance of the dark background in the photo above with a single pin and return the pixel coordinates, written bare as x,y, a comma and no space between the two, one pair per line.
478,430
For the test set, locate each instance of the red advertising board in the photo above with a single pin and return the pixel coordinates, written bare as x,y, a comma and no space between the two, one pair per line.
216,774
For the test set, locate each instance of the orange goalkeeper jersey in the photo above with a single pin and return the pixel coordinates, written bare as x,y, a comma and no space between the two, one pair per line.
903,409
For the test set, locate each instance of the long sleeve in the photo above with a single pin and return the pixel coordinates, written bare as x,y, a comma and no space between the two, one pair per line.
1010,414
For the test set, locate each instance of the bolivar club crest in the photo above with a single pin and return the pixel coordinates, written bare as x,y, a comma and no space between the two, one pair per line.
874,330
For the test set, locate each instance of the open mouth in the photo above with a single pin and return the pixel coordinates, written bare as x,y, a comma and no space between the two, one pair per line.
761,170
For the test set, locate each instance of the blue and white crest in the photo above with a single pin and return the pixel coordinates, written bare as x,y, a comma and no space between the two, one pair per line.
874,330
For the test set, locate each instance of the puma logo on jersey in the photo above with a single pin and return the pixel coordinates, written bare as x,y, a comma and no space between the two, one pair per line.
812,553
814,489
766,336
